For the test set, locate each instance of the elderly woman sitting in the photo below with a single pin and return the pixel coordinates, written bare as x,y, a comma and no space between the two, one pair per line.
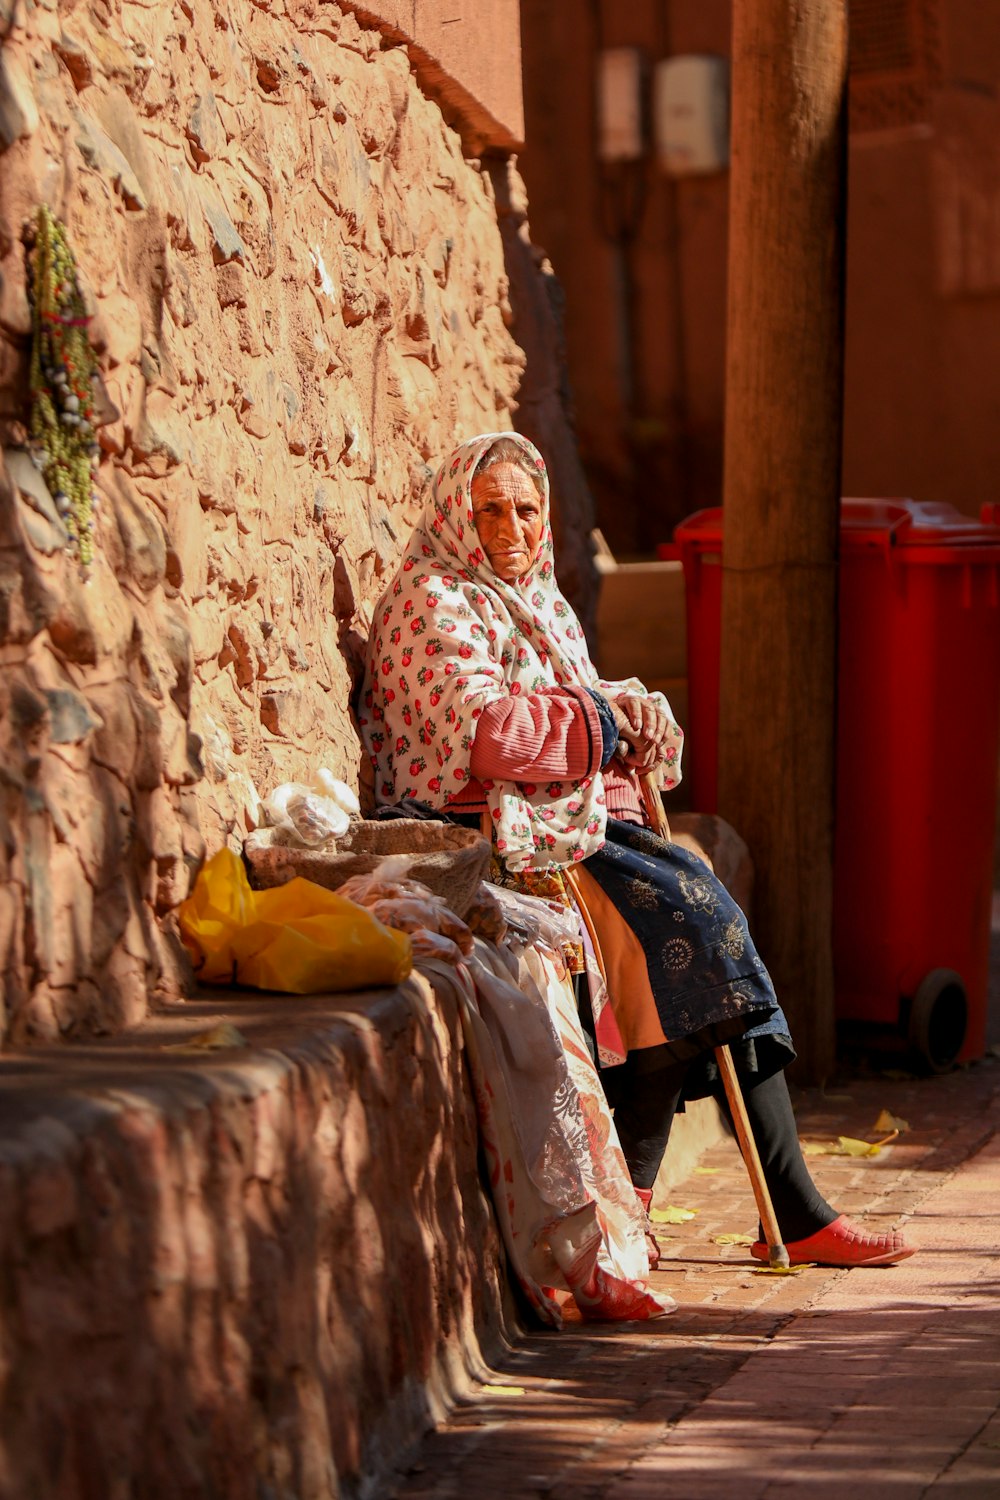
481,699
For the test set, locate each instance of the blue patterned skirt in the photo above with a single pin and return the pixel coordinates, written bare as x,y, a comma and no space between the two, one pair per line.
707,980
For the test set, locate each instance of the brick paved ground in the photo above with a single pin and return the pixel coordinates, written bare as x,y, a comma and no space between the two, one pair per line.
829,1384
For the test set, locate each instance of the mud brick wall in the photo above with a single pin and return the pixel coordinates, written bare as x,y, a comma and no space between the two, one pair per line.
299,301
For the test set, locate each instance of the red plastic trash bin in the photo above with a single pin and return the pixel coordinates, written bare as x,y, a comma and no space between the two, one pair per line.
917,748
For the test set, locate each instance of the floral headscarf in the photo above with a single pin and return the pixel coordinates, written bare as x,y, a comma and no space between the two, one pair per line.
448,638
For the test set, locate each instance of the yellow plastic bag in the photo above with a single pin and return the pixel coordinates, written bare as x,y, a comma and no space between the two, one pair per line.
298,937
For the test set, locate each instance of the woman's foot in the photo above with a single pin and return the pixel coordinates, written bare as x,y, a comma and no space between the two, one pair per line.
843,1244
607,1298
645,1197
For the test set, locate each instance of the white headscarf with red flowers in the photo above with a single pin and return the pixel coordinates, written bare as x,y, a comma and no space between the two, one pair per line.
448,638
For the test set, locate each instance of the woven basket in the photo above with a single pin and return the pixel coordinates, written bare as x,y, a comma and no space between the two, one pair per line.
449,860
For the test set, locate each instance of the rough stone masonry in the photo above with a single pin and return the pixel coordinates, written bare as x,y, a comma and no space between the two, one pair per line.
299,300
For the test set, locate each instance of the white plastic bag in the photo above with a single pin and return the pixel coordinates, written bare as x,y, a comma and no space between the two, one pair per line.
311,815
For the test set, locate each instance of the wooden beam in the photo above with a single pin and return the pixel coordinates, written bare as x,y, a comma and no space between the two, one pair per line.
784,383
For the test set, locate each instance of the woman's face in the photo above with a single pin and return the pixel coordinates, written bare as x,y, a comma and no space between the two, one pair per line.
508,514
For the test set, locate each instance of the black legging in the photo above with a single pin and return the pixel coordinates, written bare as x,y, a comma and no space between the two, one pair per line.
645,1099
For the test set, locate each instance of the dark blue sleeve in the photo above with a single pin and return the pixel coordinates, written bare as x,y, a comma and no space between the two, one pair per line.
609,729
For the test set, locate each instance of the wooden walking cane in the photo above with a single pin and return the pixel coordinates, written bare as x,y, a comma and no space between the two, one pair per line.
777,1255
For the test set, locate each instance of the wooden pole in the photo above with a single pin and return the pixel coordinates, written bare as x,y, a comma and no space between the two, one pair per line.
784,382
777,1254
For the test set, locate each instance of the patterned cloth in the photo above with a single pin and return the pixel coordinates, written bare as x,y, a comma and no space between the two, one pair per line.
449,637
703,982
545,885
565,1203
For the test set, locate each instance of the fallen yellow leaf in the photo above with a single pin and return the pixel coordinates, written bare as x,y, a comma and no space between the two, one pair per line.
889,1121
672,1215
781,1270
813,1148
707,1171
216,1039
734,1239
847,1145
503,1390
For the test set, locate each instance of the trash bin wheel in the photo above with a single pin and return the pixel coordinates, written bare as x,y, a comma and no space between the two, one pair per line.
939,1013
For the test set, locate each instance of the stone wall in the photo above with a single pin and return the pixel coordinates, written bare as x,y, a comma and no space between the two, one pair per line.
467,55
299,301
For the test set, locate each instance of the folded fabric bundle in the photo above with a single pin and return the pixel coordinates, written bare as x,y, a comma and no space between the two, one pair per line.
564,1201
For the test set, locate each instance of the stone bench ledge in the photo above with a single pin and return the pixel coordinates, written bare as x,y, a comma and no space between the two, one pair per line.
269,1267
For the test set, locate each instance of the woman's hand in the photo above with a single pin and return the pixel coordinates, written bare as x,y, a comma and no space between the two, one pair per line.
644,726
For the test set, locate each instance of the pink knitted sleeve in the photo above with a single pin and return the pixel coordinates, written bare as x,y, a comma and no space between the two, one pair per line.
556,733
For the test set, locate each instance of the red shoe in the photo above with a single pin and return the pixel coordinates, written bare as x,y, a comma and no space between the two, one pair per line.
612,1299
843,1244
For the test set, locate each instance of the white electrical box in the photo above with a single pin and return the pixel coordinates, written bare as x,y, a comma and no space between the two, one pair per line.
619,104
691,115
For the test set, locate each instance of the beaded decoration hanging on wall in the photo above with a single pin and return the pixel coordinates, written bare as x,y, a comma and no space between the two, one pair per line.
63,437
